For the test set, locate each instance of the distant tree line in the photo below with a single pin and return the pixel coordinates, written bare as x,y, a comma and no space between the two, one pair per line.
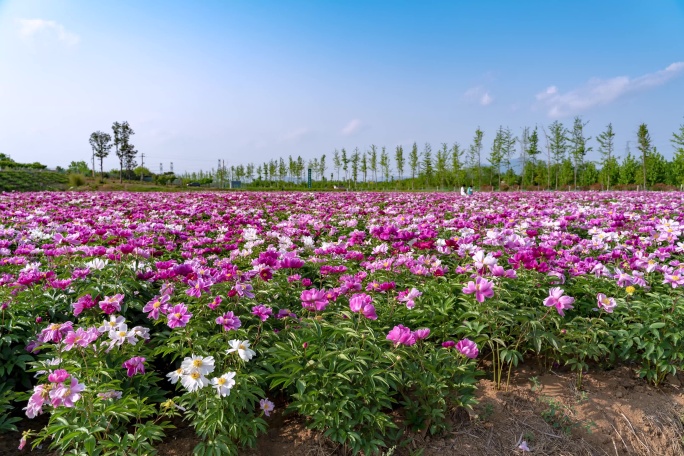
546,157
6,162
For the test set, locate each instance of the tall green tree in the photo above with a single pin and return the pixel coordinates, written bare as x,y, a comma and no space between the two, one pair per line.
282,169
524,142
427,167
558,145
101,144
374,162
578,148
441,163
656,168
385,164
644,146
273,169
364,167
124,149
629,168
606,149
399,159
678,159
507,148
496,154
476,154
355,158
345,164
414,159
532,152
322,167
456,153
337,163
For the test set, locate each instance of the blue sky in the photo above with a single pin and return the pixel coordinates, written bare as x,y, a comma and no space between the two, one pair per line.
247,81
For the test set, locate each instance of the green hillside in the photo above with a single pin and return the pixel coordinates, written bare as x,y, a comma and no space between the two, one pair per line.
28,180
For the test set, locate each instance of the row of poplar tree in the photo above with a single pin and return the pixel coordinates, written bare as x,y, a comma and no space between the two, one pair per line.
550,157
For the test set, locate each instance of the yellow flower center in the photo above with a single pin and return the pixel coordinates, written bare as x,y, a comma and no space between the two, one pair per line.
195,375
242,347
197,363
122,333
221,381
156,304
178,315
630,289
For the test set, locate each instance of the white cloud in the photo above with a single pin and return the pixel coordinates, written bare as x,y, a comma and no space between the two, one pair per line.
29,28
479,95
598,92
352,127
296,135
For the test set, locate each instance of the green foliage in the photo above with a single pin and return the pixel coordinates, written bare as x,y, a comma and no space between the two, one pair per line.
76,180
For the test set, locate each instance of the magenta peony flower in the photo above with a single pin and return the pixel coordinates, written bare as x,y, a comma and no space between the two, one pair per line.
467,348
481,287
178,316
83,303
358,301
421,333
134,366
261,311
58,376
401,335
314,299
229,321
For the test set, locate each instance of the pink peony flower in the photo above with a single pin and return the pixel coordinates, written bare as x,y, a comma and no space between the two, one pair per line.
481,287
266,406
467,348
557,300
606,303
66,395
111,304
158,304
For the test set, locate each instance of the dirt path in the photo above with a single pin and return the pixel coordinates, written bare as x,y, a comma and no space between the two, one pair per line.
615,413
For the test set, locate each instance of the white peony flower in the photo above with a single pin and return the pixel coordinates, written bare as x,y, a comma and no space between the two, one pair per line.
198,364
242,349
224,383
194,381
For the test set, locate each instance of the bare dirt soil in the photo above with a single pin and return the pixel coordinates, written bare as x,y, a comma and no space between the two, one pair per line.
615,413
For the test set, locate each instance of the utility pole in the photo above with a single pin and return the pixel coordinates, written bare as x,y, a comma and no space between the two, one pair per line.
223,167
161,168
172,167
142,165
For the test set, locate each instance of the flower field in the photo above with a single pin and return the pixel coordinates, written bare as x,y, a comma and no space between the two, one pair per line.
369,315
